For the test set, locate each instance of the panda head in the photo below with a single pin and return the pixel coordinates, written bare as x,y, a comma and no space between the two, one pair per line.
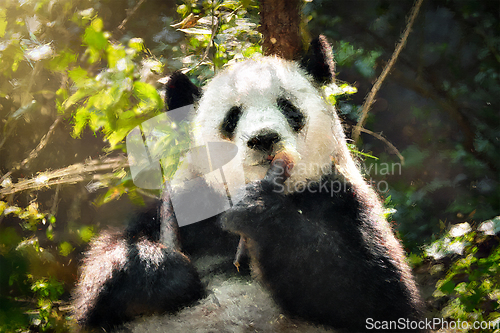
269,105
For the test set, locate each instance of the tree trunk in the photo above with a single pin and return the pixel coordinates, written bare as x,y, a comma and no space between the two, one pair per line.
280,27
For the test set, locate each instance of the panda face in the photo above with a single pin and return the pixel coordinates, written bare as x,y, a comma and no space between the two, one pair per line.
265,106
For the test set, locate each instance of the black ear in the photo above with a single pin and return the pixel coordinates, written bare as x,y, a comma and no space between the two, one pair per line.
180,91
318,61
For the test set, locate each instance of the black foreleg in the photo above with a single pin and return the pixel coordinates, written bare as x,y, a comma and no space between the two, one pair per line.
127,274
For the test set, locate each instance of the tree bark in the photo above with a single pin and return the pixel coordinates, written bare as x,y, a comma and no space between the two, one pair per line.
280,28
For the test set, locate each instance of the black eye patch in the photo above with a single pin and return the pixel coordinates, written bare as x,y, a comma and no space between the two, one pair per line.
230,122
295,118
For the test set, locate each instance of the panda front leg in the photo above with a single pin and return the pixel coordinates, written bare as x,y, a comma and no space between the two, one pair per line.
126,274
323,258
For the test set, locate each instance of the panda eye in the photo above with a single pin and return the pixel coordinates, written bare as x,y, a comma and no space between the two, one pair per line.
295,118
230,122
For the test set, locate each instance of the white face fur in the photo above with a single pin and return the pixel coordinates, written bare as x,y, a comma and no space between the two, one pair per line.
267,105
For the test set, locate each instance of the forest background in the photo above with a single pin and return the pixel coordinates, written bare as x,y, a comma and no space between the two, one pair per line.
77,76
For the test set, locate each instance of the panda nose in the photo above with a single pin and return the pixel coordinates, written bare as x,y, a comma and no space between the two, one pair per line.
264,141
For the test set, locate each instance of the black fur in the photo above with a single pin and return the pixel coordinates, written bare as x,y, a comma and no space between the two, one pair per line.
318,61
293,115
128,274
322,255
230,122
180,91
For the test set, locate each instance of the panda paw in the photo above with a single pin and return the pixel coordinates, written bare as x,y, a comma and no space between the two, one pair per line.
263,202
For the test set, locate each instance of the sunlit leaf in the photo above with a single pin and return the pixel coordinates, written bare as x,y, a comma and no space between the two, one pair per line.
3,22
62,61
116,54
49,233
196,31
148,95
65,249
118,135
81,119
86,233
97,24
79,76
111,194
39,52
135,198
136,43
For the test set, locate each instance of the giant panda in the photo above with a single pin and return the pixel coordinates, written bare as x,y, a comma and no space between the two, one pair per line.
313,230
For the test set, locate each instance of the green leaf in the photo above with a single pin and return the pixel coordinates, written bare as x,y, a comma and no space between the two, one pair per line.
144,91
183,10
49,233
79,95
352,148
3,205
95,39
62,95
150,98
97,24
86,233
9,239
79,76
348,89
3,22
65,249
81,119
100,120
111,194
136,44
252,50
118,135
447,287
135,198
116,56
101,101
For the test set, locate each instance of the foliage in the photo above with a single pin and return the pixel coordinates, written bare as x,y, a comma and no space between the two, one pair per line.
48,292
218,32
15,251
471,285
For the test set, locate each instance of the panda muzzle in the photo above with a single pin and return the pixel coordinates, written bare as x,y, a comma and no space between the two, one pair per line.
281,167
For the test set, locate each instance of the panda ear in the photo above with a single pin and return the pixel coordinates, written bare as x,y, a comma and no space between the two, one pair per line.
180,91
318,61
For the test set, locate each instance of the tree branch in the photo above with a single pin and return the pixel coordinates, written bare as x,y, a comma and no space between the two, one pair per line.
53,209
34,153
387,142
72,174
129,15
371,96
